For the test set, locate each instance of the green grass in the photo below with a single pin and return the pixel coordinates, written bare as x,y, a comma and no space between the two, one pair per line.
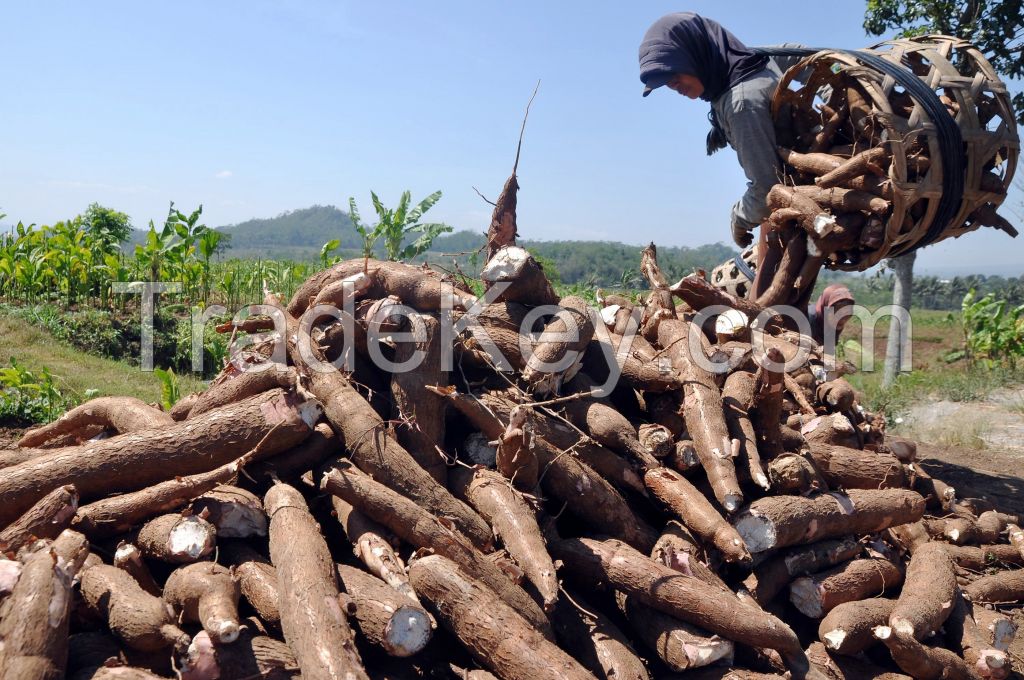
75,371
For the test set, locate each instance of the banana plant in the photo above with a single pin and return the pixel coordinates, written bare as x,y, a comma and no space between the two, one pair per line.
397,225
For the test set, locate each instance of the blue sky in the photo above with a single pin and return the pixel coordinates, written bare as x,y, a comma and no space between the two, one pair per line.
253,108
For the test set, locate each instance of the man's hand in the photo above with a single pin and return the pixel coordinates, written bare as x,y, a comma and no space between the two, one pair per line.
741,235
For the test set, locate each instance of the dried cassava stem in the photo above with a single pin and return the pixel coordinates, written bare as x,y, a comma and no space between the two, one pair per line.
34,634
313,621
140,459
494,633
46,519
616,564
514,523
140,620
257,579
384,616
847,629
777,522
206,593
775,573
697,513
817,595
370,545
120,414
418,527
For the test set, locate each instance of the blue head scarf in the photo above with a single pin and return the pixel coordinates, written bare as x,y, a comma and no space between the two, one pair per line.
688,43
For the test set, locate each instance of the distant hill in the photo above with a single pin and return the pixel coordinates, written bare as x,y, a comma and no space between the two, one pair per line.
300,234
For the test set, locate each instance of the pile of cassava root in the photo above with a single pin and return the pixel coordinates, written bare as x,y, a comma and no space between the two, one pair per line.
712,515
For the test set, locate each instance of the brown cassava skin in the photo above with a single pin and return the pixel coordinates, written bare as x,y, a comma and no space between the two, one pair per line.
420,413
697,513
557,351
698,293
123,673
922,662
159,538
796,474
766,405
816,163
871,161
371,543
605,462
235,512
514,523
848,468
595,641
998,628
677,549
771,576
515,458
847,629
256,379
494,335
34,634
1016,536
680,645
966,637
251,656
846,667
206,593
257,579
986,528
418,527
129,557
817,595
702,410
46,519
1004,586
118,514
384,615
797,520
140,620
493,632
604,423
831,429
659,587
845,200
836,395
183,407
979,558
11,457
529,284
737,395
312,619
318,447
374,449
639,373
141,459
121,414
928,594
585,493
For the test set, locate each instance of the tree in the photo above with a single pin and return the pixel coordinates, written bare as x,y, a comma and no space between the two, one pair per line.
106,225
996,27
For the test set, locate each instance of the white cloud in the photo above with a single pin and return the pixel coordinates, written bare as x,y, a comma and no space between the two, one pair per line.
224,174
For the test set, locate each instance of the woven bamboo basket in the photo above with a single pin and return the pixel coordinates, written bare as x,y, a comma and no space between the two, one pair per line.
872,108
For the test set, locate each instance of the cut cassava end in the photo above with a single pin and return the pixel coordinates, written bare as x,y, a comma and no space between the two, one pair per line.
847,629
973,644
680,645
34,633
817,595
493,632
771,576
384,616
129,557
928,593
514,523
177,539
46,519
920,661
140,620
251,656
595,641
697,513
616,564
140,459
313,621
235,512
777,522
206,593
421,529
526,280
119,414
371,543
257,579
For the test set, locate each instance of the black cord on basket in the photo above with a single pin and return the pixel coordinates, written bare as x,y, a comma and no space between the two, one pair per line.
951,145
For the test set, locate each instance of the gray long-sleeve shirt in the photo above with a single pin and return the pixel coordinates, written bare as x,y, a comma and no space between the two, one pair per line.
744,112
